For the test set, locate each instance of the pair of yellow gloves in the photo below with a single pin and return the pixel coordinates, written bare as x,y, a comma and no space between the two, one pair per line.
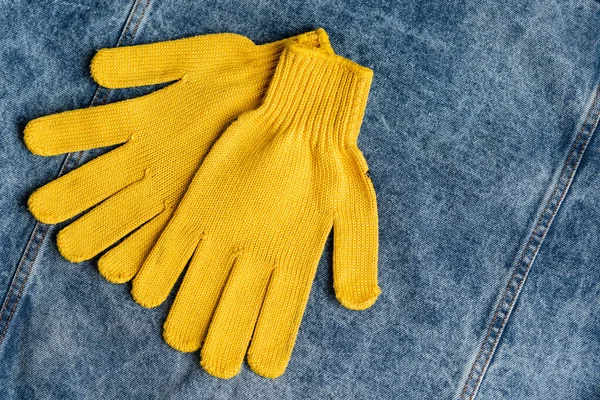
246,203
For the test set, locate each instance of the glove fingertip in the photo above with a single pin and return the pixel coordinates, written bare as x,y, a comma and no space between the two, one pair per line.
112,272
176,341
271,370
141,296
219,371
66,248
34,140
36,206
99,66
362,300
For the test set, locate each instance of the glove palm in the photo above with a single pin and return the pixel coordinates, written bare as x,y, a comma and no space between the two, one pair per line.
256,216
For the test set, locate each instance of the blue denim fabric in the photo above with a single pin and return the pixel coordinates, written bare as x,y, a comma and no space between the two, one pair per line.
479,135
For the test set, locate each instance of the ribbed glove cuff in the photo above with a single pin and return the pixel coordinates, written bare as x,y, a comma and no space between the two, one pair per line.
319,92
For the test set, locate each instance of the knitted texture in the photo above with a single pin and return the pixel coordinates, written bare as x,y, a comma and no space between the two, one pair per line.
164,135
256,216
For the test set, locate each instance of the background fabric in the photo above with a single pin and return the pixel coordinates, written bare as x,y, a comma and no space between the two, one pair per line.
479,134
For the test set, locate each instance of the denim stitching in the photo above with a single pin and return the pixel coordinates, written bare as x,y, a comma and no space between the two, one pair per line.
40,230
538,226
17,272
543,224
139,21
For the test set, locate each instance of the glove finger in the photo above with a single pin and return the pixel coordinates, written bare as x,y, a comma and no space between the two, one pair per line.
110,221
121,263
279,320
84,129
355,243
154,63
234,320
84,187
197,298
166,261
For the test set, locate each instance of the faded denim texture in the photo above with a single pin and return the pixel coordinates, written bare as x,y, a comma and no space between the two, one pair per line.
479,135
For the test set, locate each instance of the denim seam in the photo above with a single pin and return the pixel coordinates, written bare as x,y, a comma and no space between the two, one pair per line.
521,269
39,232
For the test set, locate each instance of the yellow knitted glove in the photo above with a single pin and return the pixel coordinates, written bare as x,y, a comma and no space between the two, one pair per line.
166,135
256,216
